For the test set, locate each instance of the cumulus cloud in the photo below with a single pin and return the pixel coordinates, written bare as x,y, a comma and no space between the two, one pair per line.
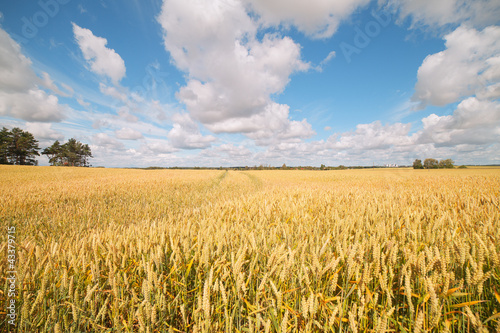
473,127
372,136
128,134
231,74
470,65
16,73
479,13
316,18
20,95
43,131
270,126
104,141
241,83
32,105
233,151
102,60
474,122
185,133
156,147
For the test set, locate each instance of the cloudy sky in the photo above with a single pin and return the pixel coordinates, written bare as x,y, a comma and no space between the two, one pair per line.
250,82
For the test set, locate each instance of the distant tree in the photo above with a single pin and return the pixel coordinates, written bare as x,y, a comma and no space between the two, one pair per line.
18,147
446,164
462,167
54,153
322,167
72,153
284,166
417,164
430,163
76,153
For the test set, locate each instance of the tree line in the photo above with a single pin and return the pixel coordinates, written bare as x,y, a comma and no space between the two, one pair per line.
20,147
431,163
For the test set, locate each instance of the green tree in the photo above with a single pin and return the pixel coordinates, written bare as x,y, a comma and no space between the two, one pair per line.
430,163
417,164
72,153
18,147
54,153
446,164
85,154
4,144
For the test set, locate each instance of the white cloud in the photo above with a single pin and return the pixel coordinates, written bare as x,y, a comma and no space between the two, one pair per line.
232,75
48,83
43,131
474,122
156,147
240,83
20,95
224,154
16,74
479,13
102,60
490,92
469,65
33,105
372,136
474,128
270,126
186,135
128,134
329,57
233,151
104,141
113,92
469,135
316,18
107,122
195,30
82,102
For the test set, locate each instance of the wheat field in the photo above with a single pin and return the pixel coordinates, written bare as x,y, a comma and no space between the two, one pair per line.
122,250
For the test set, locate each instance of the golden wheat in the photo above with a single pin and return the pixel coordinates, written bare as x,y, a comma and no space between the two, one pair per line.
254,251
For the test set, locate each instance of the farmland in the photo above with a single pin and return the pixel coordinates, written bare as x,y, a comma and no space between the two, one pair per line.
252,251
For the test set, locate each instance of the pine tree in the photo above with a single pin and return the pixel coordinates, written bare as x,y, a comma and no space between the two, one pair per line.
18,147
72,153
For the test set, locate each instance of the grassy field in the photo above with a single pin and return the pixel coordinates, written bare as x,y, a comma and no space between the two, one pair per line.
385,250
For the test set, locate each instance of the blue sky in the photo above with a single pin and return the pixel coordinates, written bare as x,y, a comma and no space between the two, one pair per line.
250,82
